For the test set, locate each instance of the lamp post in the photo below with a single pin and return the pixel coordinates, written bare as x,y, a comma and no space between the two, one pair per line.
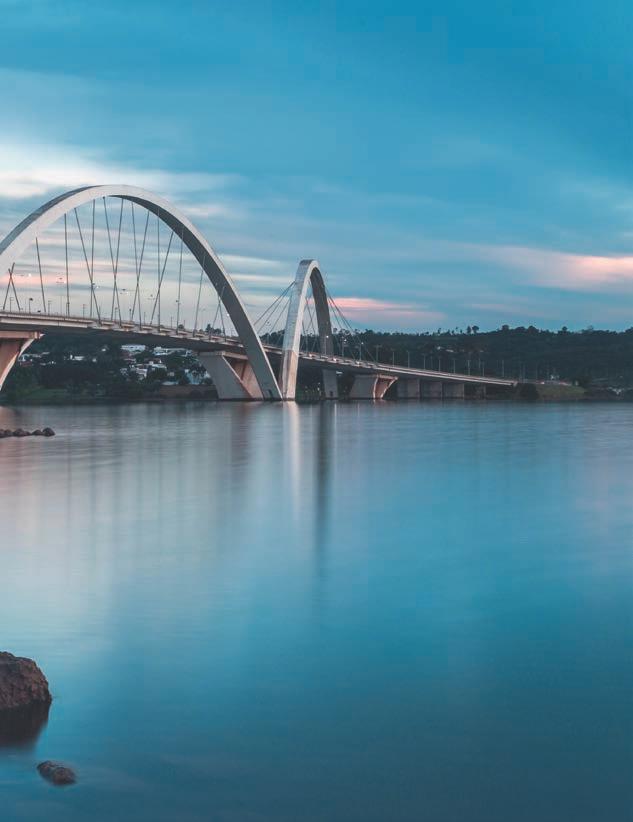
60,283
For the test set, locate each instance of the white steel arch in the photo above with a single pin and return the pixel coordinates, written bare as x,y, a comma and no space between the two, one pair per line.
308,273
24,234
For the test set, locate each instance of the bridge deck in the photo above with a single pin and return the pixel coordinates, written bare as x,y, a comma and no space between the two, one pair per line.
130,332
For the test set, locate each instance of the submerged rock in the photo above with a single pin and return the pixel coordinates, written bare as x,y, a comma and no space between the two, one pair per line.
21,683
57,773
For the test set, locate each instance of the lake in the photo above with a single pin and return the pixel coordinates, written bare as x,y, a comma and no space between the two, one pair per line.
357,612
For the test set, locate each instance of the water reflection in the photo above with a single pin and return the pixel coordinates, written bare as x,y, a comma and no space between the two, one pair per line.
323,457
309,458
21,727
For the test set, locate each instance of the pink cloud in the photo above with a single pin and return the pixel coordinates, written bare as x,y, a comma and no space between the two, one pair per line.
557,269
362,307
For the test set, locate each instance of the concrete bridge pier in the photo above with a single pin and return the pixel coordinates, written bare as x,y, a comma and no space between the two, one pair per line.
453,391
431,390
330,384
408,389
370,386
233,377
12,344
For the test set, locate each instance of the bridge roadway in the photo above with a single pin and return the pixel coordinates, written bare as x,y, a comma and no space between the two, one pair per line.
225,359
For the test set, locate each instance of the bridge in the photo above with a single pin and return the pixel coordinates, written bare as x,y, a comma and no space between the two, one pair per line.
126,279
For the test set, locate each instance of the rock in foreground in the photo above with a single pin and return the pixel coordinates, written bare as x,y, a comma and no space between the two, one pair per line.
56,773
21,683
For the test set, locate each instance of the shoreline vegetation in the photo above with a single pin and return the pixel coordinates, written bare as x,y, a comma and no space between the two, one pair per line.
550,366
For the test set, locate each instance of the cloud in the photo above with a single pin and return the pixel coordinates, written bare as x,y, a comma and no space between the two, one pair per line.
260,281
368,307
556,269
252,264
211,210
30,170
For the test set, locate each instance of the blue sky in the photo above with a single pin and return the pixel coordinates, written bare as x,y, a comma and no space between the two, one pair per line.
448,163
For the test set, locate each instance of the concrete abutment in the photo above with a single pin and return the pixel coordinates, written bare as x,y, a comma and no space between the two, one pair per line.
370,386
12,345
233,377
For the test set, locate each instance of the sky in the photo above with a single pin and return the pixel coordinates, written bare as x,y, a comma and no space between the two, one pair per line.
448,163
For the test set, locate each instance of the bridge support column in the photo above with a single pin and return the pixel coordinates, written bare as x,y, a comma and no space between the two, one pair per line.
370,386
453,391
330,384
12,344
408,389
431,390
233,378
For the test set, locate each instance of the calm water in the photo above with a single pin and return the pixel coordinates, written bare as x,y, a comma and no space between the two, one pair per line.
402,611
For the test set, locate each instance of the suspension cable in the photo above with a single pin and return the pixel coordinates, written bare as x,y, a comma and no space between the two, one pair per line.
92,264
138,277
83,246
344,321
11,284
195,323
39,265
116,267
66,254
158,265
160,282
273,319
270,307
182,229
